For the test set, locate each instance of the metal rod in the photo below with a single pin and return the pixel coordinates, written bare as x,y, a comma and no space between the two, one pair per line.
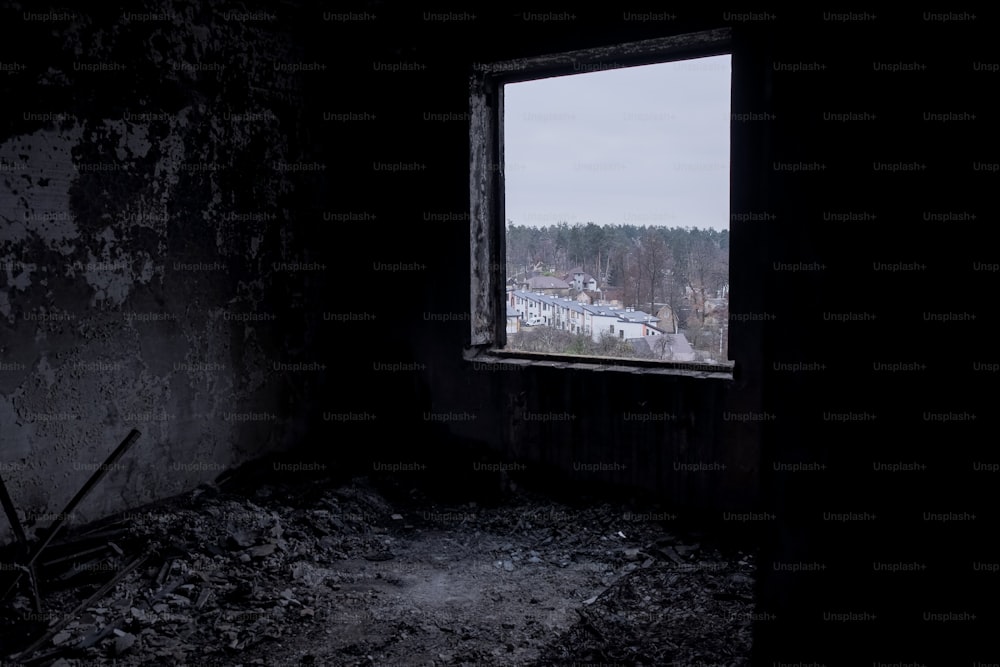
8,507
57,525
82,493
22,541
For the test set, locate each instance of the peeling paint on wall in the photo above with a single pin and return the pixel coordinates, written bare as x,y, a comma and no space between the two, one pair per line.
139,224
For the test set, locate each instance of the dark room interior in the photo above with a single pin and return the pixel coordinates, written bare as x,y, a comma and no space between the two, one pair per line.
253,408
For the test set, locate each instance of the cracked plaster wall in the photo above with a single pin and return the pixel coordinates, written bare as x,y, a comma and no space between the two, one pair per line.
141,216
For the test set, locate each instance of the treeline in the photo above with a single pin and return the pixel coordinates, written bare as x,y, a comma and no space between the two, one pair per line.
650,264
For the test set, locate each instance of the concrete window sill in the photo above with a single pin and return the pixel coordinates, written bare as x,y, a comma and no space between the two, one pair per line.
521,360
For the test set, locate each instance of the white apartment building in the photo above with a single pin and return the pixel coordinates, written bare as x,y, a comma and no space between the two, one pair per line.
569,315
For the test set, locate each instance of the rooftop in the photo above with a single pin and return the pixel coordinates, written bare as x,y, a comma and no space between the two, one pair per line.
547,282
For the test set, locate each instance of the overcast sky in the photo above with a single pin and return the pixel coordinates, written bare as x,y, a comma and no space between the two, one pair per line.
642,145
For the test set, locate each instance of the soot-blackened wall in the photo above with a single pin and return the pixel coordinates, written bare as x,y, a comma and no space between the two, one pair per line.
151,268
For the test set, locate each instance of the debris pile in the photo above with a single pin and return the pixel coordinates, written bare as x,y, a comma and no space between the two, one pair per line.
312,572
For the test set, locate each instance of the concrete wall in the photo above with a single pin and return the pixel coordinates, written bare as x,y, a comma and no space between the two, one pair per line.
145,213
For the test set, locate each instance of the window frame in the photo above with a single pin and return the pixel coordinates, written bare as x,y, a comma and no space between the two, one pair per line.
487,220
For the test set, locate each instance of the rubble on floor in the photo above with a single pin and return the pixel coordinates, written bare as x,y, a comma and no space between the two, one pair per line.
316,573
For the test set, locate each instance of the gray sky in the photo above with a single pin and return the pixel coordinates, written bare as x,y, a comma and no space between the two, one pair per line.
642,145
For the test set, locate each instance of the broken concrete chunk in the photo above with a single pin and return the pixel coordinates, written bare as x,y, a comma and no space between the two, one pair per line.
61,638
672,554
262,550
241,539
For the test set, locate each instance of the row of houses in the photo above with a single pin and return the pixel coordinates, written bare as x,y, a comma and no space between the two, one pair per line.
575,280
593,320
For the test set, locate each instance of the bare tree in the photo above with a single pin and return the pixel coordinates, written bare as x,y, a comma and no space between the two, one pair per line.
654,258
707,269
661,347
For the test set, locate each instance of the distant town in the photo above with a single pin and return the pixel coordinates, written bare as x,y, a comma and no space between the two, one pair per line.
643,292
